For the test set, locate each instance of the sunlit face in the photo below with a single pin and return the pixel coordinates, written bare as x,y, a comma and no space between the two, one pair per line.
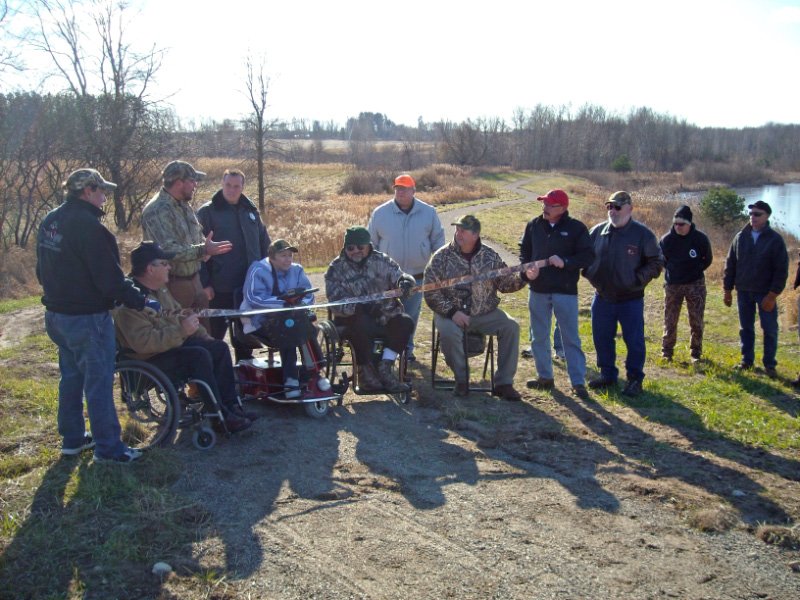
159,270
232,187
95,195
404,196
619,215
681,227
466,239
184,189
282,260
356,252
552,212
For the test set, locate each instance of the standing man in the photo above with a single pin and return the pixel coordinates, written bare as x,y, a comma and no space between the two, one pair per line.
168,219
626,259
564,243
231,216
78,268
474,306
757,266
687,254
408,230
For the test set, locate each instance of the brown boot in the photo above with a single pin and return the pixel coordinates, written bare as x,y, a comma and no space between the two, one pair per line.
368,379
389,380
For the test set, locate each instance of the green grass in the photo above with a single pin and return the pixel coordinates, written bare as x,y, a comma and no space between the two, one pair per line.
7,306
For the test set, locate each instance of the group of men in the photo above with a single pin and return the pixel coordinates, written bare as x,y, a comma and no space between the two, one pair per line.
222,256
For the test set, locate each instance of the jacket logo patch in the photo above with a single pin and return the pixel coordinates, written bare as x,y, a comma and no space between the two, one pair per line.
632,250
252,217
692,253
564,233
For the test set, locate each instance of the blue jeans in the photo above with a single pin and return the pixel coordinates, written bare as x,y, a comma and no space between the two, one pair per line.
542,307
412,307
748,302
630,316
558,345
86,349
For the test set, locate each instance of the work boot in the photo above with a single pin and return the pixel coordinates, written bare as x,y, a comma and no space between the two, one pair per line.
368,379
461,390
389,380
540,383
633,388
506,391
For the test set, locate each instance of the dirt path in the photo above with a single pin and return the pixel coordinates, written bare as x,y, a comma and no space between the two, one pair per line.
477,498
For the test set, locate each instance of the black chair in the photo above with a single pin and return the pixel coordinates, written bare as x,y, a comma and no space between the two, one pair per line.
475,344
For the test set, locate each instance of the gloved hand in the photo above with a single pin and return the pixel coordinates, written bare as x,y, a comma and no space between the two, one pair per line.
727,298
768,302
406,283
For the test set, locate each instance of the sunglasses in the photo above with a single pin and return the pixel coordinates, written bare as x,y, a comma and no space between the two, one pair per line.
609,206
679,223
354,247
756,213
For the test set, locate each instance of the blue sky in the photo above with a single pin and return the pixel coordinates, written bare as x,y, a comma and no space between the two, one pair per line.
729,63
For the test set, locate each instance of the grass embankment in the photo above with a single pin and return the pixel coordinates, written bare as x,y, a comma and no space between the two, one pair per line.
73,529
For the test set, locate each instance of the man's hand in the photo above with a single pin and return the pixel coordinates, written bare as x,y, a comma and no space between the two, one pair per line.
209,293
461,319
532,272
727,298
768,302
556,261
213,248
406,283
190,324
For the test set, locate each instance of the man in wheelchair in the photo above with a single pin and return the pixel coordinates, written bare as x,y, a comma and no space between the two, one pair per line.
277,282
473,306
176,344
360,270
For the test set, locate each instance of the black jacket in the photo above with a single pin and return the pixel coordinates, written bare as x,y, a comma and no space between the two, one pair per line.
78,262
241,225
757,267
686,257
567,239
626,259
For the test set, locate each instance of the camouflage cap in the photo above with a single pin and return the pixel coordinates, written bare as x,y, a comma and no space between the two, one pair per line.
620,198
469,222
83,178
280,246
179,169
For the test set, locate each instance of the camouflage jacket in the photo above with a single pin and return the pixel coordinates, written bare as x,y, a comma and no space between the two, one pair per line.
376,273
476,298
142,334
174,226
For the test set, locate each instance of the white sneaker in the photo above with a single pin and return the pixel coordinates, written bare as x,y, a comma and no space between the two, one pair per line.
292,388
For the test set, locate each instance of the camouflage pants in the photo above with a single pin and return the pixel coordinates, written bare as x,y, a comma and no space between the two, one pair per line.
695,295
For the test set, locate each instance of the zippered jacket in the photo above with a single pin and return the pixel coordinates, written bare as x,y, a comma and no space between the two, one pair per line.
78,262
686,257
626,259
758,267
569,240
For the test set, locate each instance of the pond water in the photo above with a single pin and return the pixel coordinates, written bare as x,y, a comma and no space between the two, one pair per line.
783,199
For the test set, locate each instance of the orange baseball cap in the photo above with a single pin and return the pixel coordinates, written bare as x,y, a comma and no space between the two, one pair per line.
404,181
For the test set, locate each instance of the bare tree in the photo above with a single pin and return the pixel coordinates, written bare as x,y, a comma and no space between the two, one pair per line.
257,83
124,133
10,40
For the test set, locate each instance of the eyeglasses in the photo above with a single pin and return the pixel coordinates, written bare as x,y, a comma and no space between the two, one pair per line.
354,247
756,213
160,263
609,206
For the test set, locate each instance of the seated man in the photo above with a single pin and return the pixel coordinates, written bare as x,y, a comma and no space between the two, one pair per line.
360,270
473,306
275,282
178,345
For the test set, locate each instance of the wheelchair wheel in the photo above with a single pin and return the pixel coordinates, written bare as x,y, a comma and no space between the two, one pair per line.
204,438
328,339
147,404
316,410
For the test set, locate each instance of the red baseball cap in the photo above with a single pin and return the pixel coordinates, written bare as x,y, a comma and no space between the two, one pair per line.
555,198
404,181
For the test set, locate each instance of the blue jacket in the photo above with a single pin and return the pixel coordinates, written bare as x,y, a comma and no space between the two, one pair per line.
259,289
